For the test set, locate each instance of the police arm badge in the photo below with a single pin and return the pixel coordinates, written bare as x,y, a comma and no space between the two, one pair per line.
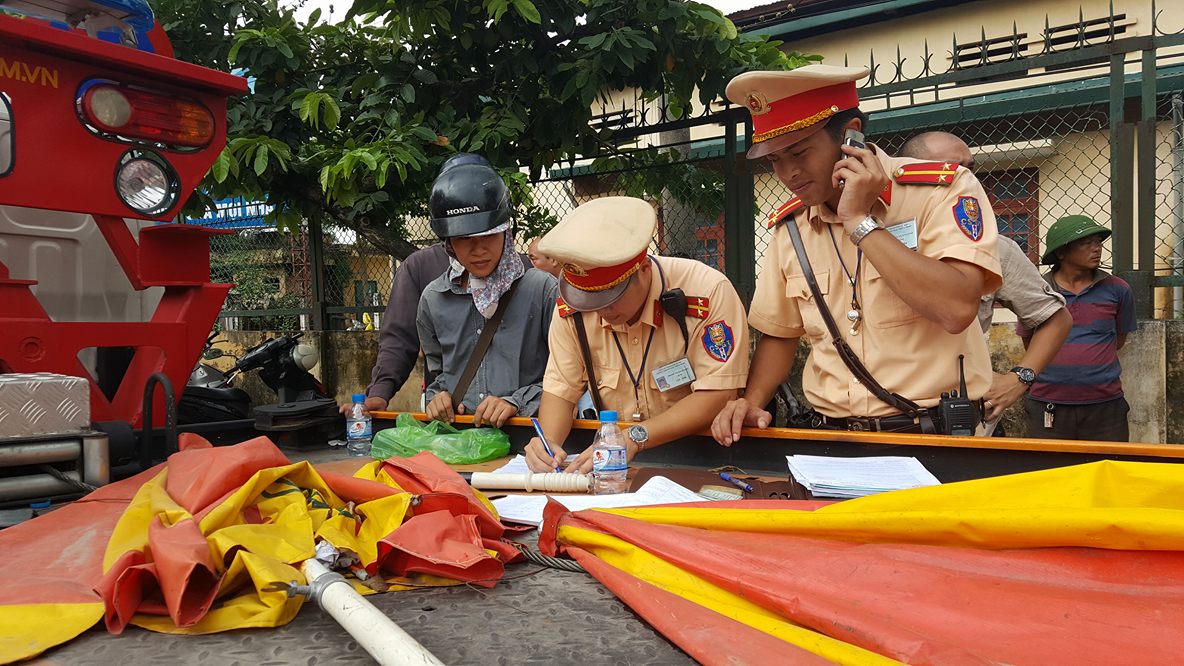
718,341
969,217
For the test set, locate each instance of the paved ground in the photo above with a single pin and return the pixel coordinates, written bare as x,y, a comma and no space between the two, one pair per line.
533,616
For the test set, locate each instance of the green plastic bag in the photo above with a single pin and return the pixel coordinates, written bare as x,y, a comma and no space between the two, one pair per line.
455,447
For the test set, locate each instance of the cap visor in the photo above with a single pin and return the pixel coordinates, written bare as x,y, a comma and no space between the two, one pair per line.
588,301
759,150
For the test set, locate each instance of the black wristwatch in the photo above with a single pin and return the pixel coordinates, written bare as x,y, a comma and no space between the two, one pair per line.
640,436
1026,375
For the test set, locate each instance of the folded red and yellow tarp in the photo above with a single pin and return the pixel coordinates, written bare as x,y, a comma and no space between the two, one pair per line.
194,545
1080,565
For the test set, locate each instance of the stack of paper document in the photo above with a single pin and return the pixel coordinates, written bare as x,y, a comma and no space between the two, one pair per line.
826,476
528,509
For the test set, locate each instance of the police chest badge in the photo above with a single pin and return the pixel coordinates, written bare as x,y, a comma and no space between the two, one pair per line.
718,341
969,217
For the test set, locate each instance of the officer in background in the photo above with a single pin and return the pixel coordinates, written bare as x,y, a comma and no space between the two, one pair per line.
666,338
901,250
1037,306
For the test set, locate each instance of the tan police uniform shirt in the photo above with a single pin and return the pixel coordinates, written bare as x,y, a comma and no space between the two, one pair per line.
717,345
905,352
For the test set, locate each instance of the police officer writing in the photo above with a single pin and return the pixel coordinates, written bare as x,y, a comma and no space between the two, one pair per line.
899,263
661,340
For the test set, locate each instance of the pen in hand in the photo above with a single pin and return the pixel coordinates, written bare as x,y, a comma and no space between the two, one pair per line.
538,429
735,482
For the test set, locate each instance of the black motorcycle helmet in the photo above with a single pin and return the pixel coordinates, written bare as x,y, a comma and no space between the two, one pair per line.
461,159
468,198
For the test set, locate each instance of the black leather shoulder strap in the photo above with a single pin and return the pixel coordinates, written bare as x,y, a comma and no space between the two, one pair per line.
589,367
482,346
850,359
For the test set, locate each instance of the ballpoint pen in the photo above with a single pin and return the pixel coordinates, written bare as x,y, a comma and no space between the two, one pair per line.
543,438
734,481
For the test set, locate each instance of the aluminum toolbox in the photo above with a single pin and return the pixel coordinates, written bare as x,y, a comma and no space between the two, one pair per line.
43,403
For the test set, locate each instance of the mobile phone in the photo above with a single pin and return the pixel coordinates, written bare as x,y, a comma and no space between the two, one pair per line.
853,138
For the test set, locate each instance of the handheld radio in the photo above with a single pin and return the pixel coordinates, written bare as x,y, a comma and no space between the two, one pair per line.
959,414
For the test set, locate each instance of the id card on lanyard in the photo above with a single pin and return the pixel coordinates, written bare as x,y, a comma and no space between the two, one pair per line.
676,374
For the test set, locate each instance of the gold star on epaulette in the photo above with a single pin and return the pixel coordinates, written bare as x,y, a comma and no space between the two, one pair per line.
783,211
565,310
926,173
698,306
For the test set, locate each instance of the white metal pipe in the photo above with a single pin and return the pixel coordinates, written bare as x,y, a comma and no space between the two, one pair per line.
1178,213
375,632
553,482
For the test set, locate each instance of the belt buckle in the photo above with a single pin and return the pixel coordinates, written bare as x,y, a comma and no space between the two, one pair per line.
856,424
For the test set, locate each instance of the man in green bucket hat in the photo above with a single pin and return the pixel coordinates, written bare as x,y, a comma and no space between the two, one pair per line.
1079,394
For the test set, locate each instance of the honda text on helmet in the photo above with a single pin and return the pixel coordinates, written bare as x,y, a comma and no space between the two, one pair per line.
468,198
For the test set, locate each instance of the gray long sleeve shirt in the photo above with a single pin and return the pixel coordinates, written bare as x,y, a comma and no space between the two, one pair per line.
449,325
398,342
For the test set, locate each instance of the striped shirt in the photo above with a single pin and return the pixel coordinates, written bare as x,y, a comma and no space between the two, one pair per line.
1086,369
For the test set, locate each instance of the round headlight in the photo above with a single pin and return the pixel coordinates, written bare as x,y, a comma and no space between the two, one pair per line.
109,107
146,183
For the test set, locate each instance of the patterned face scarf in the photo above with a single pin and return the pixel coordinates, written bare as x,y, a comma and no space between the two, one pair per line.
488,291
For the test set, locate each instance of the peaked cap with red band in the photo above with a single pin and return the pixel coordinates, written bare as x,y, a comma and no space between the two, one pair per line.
787,107
600,245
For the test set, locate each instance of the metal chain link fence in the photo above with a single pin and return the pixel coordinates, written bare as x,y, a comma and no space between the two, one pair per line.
688,198
1036,164
1169,203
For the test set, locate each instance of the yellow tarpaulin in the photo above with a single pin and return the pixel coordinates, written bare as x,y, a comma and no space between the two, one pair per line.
1074,565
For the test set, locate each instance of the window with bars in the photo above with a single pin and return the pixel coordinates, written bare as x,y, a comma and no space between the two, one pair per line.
1015,197
1055,37
709,243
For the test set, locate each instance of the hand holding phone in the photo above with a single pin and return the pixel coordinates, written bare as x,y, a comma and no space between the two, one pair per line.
860,178
853,138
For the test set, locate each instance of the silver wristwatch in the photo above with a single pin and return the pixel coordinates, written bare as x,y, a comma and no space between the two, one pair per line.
868,225
640,436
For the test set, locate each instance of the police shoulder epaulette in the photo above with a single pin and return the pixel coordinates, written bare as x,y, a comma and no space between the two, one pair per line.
698,306
926,173
783,211
565,310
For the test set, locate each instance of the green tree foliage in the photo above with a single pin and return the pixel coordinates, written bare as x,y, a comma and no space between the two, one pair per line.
350,120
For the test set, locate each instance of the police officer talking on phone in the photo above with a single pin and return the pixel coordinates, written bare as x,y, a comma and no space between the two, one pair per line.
900,252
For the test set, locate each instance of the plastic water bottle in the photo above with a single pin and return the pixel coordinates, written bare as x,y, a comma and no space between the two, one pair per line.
358,429
609,457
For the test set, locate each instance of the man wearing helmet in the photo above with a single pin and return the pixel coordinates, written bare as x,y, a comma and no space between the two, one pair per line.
485,285
1079,394
398,341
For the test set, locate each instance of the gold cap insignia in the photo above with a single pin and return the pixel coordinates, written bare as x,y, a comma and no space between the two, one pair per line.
757,103
575,270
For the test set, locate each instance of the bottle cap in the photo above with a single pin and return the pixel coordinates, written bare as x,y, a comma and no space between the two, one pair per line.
359,397
608,416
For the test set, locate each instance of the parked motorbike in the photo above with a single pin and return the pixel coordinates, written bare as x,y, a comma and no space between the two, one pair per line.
209,396
305,416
